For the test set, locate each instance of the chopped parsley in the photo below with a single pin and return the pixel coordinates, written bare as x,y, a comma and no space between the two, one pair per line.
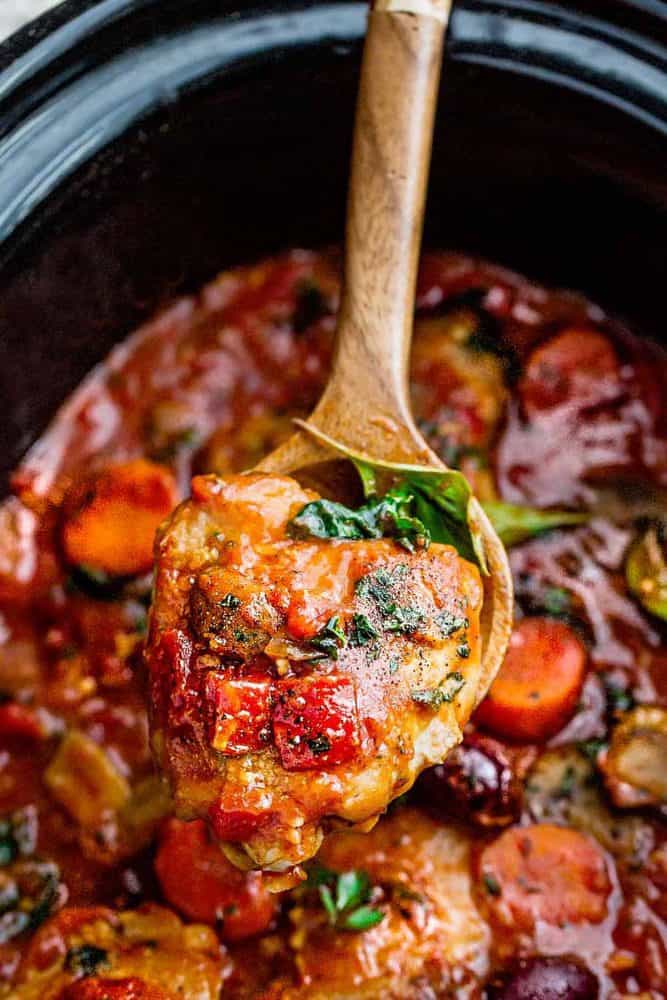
362,631
443,695
405,621
329,640
449,623
463,649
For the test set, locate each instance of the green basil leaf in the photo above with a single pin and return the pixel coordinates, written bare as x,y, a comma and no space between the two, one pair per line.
368,478
423,504
328,903
352,889
515,524
329,519
362,919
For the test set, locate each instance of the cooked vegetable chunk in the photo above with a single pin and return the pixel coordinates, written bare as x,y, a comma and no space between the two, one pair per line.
110,518
538,685
386,914
543,873
578,367
91,953
298,680
635,766
198,880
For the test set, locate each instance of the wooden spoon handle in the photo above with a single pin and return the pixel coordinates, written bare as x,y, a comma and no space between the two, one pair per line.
392,151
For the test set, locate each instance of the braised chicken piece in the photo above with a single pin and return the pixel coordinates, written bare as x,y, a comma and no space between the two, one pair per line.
301,684
394,913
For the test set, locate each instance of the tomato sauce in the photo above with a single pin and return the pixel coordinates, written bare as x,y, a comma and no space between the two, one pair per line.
543,401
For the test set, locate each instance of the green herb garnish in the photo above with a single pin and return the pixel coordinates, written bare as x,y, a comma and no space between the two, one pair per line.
421,505
388,517
345,897
405,621
449,623
330,639
444,694
362,631
515,524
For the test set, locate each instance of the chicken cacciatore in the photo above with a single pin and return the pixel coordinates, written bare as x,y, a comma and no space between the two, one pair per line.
533,860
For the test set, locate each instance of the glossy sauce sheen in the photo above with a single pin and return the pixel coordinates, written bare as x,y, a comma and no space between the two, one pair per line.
513,847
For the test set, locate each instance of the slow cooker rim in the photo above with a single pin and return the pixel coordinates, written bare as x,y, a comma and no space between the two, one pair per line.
533,38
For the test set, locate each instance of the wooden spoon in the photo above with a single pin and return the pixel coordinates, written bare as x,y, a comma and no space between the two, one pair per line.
365,405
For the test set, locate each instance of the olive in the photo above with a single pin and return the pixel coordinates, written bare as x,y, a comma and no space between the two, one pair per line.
475,783
545,979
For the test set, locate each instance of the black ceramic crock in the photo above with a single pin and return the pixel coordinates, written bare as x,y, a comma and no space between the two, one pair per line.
144,144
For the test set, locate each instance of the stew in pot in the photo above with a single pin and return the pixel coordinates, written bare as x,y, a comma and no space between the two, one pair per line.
533,862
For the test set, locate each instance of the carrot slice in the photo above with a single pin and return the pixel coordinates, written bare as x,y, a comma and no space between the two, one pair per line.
577,366
197,879
545,873
111,517
538,686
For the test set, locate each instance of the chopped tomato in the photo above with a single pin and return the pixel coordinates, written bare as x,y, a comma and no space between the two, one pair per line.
315,722
20,720
538,686
113,989
543,873
110,518
241,710
199,881
171,672
577,366
236,818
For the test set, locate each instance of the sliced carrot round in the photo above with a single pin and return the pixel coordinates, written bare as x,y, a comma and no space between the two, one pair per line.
199,881
110,518
545,873
538,686
578,365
